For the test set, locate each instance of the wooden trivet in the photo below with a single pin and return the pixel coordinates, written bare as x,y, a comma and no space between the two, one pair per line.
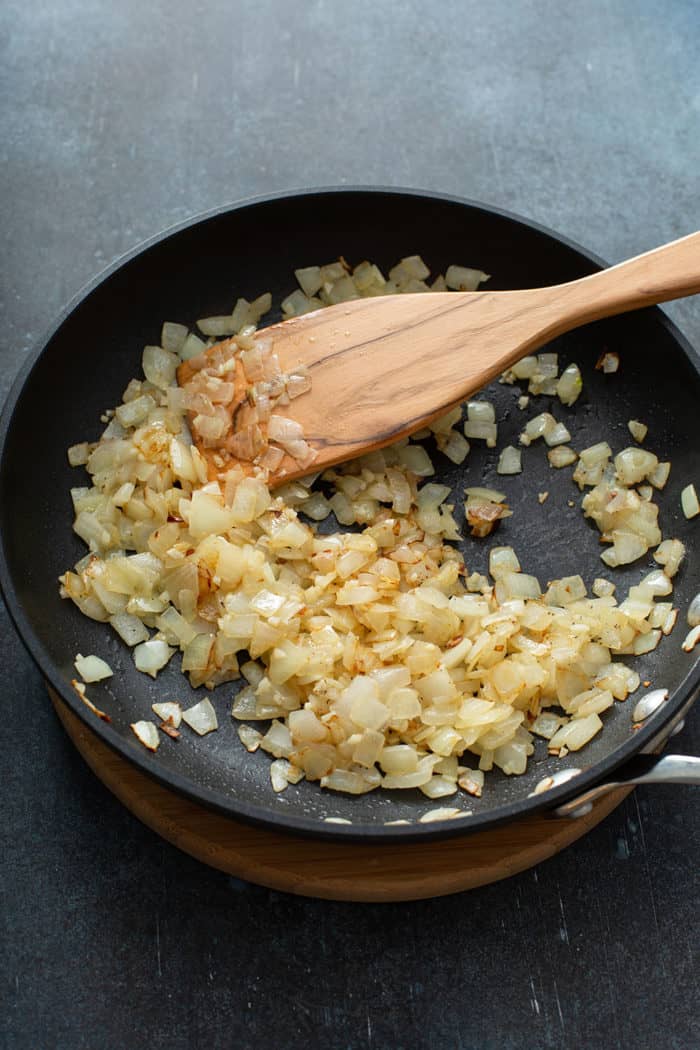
313,868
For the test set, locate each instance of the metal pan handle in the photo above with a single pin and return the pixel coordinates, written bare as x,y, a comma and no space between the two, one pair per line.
643,769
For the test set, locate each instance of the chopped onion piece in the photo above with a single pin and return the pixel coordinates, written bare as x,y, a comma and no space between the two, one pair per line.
576,733
193,346
525,368
481,431
159,366
633,465
147,733
455,447
350,782
217,326
150,657
659,476
502,560
471,781
670,554
417,460
569,385
250,738
561,456
168,711
79,688
309,279
78,455
637,430
92,668
509,462
691,639
278,774
463,279
547,724
539,426
297,385
627,547
645,643
129,628
557,435
173,336
491,495
481,412
689,501
201,717
284,430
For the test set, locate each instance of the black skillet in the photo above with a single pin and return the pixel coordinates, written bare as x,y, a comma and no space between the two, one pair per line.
199,268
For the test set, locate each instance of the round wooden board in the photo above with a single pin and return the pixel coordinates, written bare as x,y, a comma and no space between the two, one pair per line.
313,868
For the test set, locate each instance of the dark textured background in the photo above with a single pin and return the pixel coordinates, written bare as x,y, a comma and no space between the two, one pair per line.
120,118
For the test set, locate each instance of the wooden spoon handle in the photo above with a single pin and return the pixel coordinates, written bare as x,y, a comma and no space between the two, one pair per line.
669,272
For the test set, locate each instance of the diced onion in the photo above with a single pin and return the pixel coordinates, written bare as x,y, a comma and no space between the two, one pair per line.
201,717
92,668
569,385
78,455
691,639
540,426
152,656
557,435
481,431
481,412
561,456
670,554
689,501
217,326
637,430
191,347
463,279
173,336
147,733
509,461
632,465
576,733
159,366
169,712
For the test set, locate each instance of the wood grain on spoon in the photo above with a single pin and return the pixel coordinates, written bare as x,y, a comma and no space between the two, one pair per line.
383,367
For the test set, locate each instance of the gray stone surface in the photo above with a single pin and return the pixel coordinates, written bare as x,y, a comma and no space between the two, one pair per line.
120,118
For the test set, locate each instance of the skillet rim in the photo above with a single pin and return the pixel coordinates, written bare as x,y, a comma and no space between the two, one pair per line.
262,815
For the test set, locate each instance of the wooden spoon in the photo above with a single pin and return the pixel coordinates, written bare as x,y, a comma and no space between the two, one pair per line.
383,367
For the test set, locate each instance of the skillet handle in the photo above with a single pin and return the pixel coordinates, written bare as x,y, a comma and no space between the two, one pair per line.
643,769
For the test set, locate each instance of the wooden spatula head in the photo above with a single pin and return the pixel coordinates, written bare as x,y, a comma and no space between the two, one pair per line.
383,367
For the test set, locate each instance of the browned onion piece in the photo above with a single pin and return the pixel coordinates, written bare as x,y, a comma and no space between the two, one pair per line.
483,517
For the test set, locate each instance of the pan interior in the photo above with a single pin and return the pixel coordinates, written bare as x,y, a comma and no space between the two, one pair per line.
200,270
